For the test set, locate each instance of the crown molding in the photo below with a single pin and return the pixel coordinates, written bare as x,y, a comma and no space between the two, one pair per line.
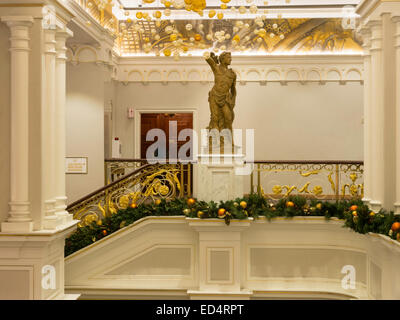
261,69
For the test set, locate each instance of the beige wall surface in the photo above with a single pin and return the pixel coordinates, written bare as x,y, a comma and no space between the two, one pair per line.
292,122
85,127
4,121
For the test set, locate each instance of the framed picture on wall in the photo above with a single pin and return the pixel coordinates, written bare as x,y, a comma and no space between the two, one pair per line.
76,165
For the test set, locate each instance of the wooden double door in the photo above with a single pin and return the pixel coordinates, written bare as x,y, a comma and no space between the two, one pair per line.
167,122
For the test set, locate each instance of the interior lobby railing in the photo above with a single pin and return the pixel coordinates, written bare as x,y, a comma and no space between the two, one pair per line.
134,181
149,182
324,180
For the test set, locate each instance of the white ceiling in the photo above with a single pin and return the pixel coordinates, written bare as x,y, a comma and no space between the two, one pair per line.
294,9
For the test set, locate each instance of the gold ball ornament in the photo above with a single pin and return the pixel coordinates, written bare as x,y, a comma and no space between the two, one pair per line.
221,213
191,201
139,15
289,204
186,211
133,205
167,52
200,214
157,202
220,15
371,214
243,204
319,206
354,213
395,226
197,37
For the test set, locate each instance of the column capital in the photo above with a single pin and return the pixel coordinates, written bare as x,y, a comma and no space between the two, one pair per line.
13,21
376,27
365,34
50,41
61,36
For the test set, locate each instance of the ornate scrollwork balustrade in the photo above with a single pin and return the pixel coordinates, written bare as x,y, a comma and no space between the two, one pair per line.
328,180
147,183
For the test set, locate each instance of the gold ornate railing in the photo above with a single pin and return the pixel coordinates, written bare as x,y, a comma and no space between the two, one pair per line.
329,180
147,183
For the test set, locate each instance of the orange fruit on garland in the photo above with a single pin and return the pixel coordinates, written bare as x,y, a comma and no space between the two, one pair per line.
133,205
221,213
157,202
353,207
289,204
104,232
243,204
396,226
191,201
197,37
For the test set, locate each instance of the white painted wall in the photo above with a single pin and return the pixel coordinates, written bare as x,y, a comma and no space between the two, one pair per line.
293,122
4,121
85,127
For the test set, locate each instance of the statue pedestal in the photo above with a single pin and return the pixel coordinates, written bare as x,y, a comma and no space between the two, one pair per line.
219,176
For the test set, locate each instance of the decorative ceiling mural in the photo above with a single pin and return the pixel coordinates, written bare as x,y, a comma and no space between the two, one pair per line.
181,37
168,28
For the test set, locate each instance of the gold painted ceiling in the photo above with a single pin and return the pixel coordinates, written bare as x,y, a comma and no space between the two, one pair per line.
247,36
152,32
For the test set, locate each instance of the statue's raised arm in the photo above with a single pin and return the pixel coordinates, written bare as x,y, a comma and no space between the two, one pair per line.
212,60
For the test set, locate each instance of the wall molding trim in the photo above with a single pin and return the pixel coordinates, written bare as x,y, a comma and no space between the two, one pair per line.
262,69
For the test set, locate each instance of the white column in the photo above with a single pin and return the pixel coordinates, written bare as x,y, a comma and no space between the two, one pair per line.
19,219
48,130
366,34
60,118
377,117
396,20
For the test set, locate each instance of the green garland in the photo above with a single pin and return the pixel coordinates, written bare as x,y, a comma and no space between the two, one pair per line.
357,215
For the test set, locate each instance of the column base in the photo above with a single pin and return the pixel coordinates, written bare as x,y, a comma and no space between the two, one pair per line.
16,227
220,177
52,222
32,265
375,205
366,201
397,208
